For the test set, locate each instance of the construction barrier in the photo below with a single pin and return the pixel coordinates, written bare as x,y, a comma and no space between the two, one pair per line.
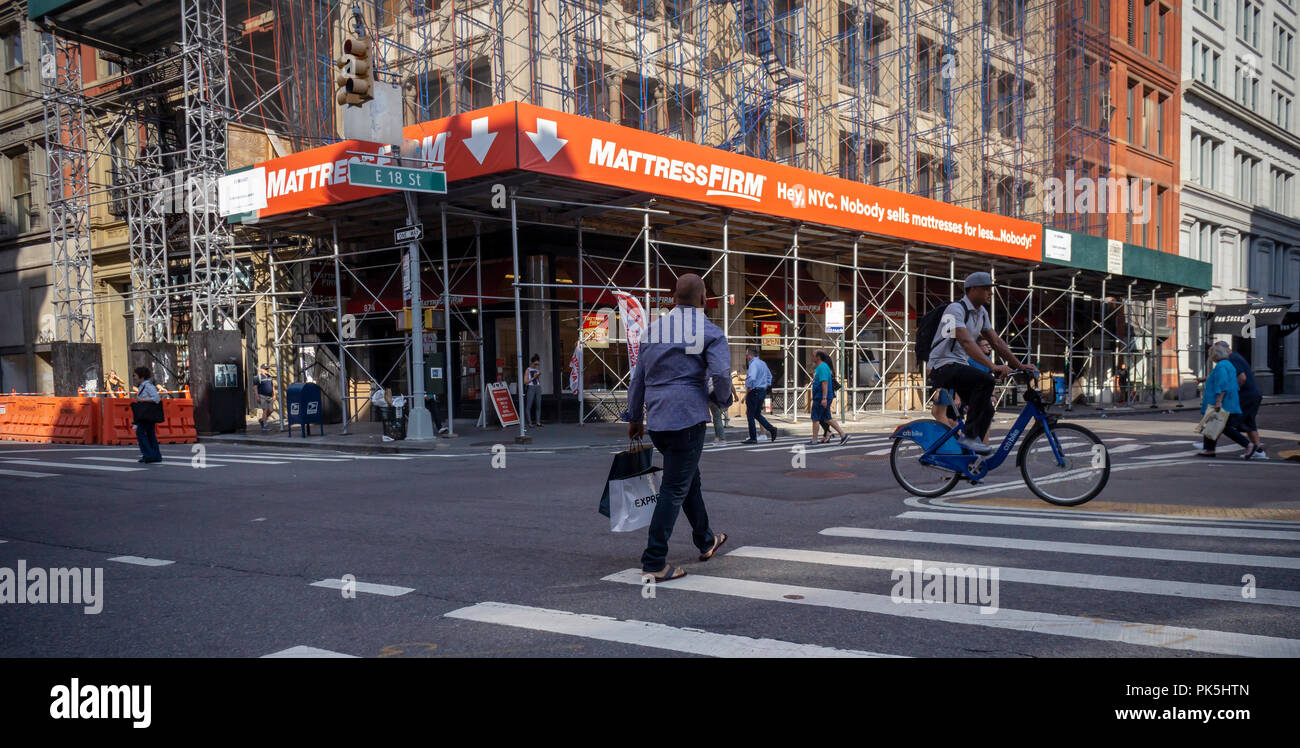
76,420
88,420
115,421
179,426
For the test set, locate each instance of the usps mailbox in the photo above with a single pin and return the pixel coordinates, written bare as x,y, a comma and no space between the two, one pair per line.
304,402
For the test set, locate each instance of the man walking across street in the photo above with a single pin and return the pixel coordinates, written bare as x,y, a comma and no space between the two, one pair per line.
758,378
265,395
669,397
956,346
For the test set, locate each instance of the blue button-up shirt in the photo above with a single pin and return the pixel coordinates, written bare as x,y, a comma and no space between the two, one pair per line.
680,353
758,376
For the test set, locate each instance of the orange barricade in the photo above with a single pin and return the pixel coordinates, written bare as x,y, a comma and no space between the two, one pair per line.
30,419
6,409
115,421
179,426
76,420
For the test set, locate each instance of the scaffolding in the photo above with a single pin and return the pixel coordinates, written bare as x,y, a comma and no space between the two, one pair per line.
973,102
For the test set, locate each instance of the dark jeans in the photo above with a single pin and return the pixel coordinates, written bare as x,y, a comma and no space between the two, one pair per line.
147,438
754,411
1232,430
431,405
976,390
679,491
1249,409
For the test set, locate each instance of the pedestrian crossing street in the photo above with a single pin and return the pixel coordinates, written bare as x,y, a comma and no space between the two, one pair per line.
1188,552
61,463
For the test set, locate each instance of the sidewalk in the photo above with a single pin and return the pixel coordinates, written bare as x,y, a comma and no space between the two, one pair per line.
367,437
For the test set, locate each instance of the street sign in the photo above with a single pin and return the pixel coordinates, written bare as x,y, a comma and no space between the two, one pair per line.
503,404
408,234
834,316
397,178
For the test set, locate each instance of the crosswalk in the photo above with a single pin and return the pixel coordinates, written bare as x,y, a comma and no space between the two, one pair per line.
47,464
854,571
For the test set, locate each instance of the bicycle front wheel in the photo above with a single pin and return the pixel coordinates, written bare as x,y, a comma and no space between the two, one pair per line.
1082,477
918,479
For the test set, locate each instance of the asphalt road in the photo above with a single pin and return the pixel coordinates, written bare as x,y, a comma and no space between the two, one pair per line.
514,561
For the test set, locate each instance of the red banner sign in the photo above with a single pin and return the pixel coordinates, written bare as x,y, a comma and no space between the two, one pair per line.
503,404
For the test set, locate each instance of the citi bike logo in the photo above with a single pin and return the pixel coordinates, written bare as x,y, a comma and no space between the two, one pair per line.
962,585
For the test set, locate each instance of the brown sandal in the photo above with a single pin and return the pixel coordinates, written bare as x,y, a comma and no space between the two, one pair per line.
718,540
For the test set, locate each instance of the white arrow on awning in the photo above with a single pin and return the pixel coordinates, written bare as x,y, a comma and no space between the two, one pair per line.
480,140
546,140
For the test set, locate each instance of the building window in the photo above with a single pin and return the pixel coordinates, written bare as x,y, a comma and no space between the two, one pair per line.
119,176
1209,7
639,103
681,115
1246,86
643,8
876,36
20,202
1146,28
1006,16
1158,216
848,36
433,97
1246,165
476,86
1281,197
1160,35
1282,110
1131,113
1205,63
1248,22
931,177
1205,160
790,138
13,62
1283,41
931,87
1148,115
678,13
1160,124
850,163
1000,93
591,90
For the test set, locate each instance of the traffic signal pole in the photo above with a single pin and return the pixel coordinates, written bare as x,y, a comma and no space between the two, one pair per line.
419,425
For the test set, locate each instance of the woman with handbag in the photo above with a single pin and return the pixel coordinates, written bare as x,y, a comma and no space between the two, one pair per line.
146,412
1220,398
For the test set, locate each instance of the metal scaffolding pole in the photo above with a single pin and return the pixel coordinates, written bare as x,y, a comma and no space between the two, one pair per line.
275,330
907,336
855,328
484,405
446,322
582,416
795,368
519,319
338,329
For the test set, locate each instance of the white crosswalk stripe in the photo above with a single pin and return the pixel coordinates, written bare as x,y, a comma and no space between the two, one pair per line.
641,633
1116,526
28,474
75,466
1053,546
1227,592
1099,629
167,463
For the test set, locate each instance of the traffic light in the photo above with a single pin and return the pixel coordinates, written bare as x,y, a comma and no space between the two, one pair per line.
354,82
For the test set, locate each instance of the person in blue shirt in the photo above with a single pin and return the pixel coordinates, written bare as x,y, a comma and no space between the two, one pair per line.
823,395
758,380
1251,398
1221,392
669,397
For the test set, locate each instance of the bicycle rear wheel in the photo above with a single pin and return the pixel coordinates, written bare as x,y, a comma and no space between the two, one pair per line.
918,479
1080,479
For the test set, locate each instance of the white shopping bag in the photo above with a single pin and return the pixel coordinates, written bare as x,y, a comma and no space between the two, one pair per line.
632,501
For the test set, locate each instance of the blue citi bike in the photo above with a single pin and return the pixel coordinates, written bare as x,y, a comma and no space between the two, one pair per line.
1062,463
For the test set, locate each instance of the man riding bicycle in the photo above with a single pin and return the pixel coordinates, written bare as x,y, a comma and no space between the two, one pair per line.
965,321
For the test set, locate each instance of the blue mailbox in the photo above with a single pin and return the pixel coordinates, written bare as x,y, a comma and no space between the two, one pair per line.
304,403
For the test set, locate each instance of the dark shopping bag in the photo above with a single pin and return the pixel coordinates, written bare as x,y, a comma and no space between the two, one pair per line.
147,411
637,459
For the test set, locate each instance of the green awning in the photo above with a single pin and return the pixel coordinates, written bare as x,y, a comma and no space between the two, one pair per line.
1120,260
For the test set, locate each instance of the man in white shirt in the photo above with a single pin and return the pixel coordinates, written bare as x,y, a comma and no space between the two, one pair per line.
956,346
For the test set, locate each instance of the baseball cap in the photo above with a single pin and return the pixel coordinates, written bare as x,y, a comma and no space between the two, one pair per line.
975,280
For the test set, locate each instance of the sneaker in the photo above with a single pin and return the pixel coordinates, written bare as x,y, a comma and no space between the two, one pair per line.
1260,454
975,445
750,441
773,436
442,430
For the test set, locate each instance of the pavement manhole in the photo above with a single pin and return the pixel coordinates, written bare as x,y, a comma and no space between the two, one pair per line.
820,474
